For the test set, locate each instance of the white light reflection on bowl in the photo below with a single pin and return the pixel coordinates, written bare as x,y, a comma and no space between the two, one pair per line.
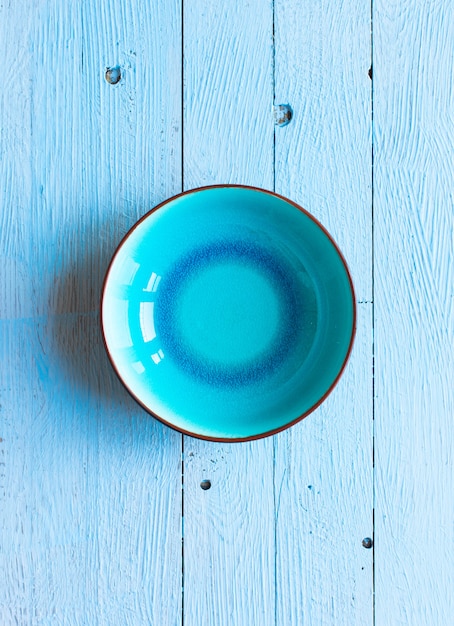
147,321
153,283
158,356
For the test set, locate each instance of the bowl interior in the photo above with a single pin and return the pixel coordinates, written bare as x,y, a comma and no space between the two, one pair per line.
228,312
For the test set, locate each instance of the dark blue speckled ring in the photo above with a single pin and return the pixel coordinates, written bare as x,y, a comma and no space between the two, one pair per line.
290,323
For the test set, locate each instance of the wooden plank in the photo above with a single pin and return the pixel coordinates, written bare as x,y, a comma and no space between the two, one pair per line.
15,162
228,533
42,50
228,131
82,158
92,522
414,326
90,485
44,176
228,138
323,466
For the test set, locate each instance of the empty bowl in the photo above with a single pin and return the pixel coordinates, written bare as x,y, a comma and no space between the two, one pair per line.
228,312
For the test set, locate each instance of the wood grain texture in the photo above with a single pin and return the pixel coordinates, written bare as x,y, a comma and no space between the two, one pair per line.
228,138
324,499
414,241
41,132
229,534
323,466
228,87
83,159
91,487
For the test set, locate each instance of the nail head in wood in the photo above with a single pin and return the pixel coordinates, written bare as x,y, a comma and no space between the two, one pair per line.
282,114
367,542
113,75
205,484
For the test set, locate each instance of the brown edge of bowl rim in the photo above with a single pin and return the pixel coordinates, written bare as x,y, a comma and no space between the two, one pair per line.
268,433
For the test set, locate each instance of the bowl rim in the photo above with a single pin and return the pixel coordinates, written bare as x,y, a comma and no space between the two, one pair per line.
269,432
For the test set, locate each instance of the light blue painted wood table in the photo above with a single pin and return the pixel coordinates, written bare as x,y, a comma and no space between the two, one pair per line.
93,491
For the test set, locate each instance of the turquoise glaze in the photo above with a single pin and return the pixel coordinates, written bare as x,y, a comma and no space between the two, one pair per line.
228,312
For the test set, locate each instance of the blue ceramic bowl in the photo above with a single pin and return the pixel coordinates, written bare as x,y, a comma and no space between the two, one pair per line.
228,313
